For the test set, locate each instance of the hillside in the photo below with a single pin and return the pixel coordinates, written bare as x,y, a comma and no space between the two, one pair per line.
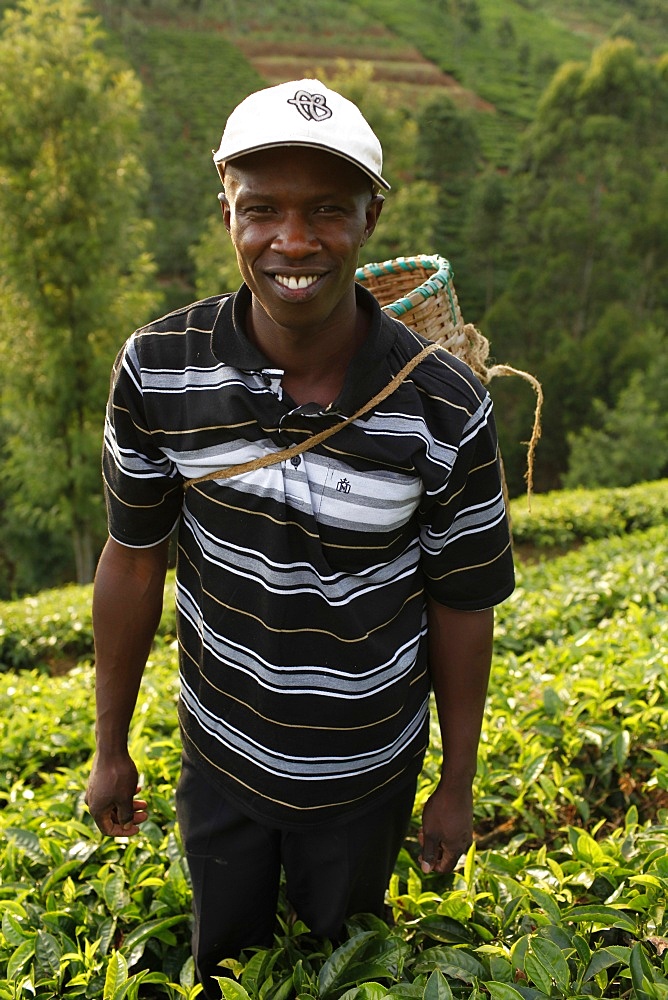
197,58
489,56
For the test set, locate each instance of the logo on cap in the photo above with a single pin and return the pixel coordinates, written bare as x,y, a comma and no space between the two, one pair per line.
313,107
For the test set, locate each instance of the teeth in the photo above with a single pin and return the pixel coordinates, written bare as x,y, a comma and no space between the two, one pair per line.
294,283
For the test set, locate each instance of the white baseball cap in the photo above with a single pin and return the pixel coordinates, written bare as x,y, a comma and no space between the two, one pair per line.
301,113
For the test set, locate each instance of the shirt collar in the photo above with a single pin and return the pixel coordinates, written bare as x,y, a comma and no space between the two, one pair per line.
367,373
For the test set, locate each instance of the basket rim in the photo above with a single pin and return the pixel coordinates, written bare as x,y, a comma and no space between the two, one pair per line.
440,280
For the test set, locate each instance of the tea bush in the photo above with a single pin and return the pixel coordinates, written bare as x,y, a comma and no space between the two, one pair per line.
569,517
563,894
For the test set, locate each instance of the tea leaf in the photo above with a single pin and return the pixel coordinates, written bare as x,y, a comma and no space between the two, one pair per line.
116,977
29,843
445,929
605,958
552,960
47,954
642,974
153,928
334,968
600,916
19,959
547,903
502,991
450,961
437,987
231,990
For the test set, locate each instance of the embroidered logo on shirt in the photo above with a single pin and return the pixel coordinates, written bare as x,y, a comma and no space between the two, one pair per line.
343,486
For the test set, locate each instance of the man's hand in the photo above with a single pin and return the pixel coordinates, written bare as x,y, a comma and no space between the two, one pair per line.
447,828
111,796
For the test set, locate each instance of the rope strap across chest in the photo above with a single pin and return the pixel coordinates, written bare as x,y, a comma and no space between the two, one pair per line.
272,458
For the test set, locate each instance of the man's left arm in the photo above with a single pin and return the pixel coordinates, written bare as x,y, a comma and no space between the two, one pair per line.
460,655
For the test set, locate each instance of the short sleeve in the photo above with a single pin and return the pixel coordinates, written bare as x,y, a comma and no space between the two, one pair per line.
464,532
143,489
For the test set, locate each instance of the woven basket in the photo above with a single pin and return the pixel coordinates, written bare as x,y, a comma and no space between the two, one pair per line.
420,292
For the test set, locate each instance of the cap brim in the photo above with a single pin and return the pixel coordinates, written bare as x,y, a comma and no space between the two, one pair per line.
220,159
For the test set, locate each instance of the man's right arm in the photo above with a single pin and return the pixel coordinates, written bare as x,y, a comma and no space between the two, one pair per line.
127,604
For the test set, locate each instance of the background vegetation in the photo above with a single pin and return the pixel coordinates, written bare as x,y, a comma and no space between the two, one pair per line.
563,895
525,140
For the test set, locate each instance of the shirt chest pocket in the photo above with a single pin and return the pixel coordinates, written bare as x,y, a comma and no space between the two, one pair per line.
376,502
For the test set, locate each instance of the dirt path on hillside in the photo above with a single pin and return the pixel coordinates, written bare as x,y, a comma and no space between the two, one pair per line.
280,62
395,63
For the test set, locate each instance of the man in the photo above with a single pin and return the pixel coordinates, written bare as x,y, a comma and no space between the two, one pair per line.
318,595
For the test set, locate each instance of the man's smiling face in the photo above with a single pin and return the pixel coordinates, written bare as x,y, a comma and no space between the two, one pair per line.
297,218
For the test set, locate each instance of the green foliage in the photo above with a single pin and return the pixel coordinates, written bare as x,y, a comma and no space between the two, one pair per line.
215,260
54,629
193,81
506,84
486,209
407,224
630,444
51,628
577,734
74,262
590,290
449,158
563,895
565,518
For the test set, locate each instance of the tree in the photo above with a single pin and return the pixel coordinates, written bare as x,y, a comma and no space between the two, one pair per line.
590,166
405,228
590,229
73,256
448,152
470,14
630,442
505,33
625,27
215,260
484,231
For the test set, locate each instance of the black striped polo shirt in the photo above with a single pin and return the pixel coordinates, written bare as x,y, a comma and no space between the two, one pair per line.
301,586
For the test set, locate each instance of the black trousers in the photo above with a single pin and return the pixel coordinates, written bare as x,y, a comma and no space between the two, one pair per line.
331,872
